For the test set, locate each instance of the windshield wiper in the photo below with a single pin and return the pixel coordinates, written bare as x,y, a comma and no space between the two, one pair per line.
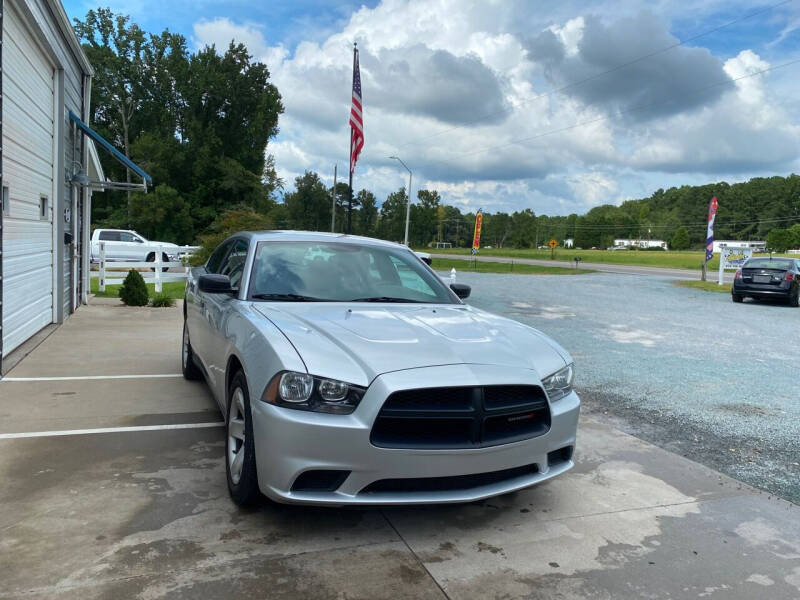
387,299
288,298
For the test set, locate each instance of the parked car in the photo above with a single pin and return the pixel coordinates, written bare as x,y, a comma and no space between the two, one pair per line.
349,373
128,246
768,278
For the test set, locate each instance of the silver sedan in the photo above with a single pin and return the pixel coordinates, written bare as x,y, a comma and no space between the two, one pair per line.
350,373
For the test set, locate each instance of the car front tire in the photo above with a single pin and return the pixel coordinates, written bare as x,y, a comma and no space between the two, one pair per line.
240,454
190,369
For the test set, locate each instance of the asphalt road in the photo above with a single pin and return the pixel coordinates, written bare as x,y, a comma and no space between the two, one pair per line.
686,369
664,272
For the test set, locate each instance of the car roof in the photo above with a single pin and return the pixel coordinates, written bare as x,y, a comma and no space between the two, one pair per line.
314,236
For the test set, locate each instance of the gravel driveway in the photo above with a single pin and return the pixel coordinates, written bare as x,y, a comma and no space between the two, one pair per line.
689,370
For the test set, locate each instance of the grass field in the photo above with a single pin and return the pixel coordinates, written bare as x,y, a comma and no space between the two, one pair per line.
708,286
174,289
669,259
445,264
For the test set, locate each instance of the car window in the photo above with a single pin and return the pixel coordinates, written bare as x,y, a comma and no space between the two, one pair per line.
233,266
109,236
127,236
768,263
215,260
344,272
410,278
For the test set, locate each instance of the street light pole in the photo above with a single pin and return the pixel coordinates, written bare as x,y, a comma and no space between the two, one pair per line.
408,201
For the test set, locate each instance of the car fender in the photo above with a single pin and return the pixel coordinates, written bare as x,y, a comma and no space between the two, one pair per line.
261,349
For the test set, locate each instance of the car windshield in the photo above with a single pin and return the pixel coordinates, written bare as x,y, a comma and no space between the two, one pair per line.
768,263
342,272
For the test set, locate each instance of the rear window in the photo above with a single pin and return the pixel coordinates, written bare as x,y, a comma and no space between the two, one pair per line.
109,236
769,263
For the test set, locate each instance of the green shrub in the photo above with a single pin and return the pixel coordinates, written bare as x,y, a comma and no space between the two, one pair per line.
134,291
162,300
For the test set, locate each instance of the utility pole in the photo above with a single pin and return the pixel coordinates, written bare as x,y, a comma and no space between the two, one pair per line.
408,200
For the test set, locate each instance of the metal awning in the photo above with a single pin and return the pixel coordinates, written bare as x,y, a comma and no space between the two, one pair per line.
126,162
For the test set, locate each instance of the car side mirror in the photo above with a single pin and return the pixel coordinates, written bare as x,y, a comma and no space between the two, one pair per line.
212,283
461,290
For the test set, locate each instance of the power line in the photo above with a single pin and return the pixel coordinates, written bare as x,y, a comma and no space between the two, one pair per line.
697,225
486,116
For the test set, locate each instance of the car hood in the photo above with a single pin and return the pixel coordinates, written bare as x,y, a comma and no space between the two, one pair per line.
356,343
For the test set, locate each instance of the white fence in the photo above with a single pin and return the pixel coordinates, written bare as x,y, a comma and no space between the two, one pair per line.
155,275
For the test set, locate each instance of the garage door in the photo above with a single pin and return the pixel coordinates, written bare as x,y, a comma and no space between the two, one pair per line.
27,183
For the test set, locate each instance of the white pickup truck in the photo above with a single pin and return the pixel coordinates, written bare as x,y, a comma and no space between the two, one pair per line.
127,245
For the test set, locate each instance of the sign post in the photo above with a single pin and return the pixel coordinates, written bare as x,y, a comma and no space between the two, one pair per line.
552,243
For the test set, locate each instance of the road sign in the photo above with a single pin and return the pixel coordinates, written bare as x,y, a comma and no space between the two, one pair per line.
552,244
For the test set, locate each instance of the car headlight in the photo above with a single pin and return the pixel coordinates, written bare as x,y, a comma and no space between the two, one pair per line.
559,384
302,391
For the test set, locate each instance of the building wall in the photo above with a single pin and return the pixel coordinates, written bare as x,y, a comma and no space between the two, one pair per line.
47,20
71,146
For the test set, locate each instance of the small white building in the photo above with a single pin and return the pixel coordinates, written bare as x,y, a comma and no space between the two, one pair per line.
569,243
640,243
756,246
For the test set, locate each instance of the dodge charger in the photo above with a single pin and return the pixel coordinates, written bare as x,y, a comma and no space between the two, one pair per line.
348,372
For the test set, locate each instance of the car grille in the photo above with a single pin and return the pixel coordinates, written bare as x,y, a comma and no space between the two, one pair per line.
461,417
453,483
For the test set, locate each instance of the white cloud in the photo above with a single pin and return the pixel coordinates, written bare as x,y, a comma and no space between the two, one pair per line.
221,31
443,81
747,62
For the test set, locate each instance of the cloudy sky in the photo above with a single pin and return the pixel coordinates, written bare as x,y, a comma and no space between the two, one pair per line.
505,105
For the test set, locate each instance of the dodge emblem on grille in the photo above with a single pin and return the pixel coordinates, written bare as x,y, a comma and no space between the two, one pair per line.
520,417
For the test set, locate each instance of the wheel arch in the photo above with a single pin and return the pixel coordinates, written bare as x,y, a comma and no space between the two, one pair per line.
233,366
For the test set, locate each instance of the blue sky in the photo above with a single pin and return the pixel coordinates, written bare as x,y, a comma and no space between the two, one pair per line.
435,66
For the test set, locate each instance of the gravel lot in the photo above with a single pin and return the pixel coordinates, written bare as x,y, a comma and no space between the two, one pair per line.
688,370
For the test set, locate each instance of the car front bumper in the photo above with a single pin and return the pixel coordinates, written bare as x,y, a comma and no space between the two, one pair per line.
290,442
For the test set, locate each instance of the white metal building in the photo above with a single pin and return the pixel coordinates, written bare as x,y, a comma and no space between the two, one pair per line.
756,246
48,168
639,243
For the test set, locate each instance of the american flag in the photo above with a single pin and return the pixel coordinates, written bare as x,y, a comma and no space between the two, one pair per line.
356,118
712,215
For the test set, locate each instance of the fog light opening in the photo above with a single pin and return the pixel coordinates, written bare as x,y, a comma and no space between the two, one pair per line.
560,456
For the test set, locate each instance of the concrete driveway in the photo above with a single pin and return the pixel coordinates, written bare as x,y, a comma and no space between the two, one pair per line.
114,487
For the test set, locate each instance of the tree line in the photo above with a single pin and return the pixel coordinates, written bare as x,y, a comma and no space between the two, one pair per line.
197,122
200,123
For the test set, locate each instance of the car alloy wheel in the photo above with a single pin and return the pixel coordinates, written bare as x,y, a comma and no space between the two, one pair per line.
240,456
237,439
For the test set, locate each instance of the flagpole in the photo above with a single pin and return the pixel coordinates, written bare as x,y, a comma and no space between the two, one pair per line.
352,167
333,208
350,188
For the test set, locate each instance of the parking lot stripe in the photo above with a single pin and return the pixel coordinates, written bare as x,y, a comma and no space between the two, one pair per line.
91,377
32,434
